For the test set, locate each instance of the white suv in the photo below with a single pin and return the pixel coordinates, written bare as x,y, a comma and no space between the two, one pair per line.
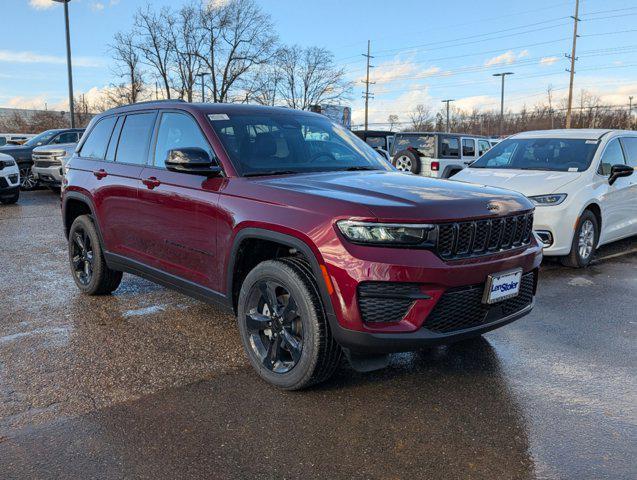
9,180
581,182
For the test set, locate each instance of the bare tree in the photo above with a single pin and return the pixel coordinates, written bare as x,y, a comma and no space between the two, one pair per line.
239,37
310,77
156,51
186,40
127,59
421,119
392,120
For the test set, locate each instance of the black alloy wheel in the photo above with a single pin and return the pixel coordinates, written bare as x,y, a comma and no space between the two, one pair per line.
82,256
274,326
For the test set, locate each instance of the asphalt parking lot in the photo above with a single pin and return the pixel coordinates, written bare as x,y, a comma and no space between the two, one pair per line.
148,383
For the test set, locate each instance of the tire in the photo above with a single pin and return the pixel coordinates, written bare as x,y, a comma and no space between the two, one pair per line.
86,259
12,199
28,181
586,234
318,356
407,161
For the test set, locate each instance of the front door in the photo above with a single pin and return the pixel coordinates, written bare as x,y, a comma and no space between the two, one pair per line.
180,210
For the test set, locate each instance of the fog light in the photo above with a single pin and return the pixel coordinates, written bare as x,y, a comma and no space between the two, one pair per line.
546,237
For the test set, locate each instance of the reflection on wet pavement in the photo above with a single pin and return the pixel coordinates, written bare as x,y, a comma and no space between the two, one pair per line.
149,383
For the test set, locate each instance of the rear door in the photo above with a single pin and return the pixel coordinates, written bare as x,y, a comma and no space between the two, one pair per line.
179,211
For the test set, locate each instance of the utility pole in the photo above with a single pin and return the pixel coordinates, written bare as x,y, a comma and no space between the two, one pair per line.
68,59
630,112
448,102
572,57
504,74
549,91
367,83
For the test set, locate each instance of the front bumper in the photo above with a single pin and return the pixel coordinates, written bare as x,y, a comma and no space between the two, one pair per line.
559,222
51,176
353,265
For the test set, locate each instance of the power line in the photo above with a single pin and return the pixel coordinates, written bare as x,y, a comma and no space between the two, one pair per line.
366,95
572,69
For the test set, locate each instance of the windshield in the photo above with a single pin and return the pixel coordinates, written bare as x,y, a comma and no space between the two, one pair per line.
553,154
41,139
270,144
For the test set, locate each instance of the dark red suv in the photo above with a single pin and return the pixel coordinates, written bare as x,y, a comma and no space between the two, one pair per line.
319,246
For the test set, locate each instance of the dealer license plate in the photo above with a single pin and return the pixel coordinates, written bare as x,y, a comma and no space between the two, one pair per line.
502,286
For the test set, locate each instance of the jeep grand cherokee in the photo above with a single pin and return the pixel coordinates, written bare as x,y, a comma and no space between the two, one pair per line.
317,245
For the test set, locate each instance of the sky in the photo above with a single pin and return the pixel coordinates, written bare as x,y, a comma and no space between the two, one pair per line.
424,51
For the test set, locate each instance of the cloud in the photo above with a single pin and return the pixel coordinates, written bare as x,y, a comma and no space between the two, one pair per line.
380,109
97,6
42,4
31,57
398,70
506,58
477,102
546,61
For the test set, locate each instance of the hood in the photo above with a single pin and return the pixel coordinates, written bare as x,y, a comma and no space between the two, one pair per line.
58,147
393,196
527,182
18,152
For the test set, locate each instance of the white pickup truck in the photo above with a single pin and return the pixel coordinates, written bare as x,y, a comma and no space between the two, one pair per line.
438,155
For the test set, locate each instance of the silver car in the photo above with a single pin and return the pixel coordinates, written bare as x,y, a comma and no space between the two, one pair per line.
49,161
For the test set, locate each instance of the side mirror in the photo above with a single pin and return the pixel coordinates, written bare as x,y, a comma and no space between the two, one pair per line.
619,170
193,160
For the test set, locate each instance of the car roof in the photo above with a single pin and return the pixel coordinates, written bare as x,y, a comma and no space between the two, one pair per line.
208,108
448,134
574,133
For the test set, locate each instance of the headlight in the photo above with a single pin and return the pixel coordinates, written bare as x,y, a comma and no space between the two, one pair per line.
387,233
548,200
7,163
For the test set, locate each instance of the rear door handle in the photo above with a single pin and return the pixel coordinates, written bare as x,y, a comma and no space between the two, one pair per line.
101,173
151,182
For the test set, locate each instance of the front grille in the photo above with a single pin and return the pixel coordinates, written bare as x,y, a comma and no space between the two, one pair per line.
462,308
46,163
386,301
479,237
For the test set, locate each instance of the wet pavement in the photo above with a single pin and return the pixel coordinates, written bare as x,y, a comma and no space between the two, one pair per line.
148,383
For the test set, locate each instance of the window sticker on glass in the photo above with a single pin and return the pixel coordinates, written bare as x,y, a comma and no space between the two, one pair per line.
591,142
217,117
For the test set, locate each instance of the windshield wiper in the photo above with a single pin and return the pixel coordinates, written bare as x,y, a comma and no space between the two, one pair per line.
360,168
271,172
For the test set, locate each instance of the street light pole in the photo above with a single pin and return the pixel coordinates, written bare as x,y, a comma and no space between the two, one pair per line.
630,112
68,59
504,74
203,92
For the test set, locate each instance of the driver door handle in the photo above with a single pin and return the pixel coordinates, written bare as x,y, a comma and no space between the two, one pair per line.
151,182
101,173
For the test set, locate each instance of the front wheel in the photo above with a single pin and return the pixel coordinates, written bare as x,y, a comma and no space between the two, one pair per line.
283,326
28,180
584,241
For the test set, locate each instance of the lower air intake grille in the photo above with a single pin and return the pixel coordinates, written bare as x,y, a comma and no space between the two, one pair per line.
462,308
386,301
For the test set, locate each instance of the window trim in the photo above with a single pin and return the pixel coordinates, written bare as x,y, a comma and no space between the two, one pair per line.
475,145
442,138
160,114
625,149
601,156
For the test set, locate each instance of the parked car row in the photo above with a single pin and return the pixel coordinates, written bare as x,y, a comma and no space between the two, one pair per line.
9,180
23,154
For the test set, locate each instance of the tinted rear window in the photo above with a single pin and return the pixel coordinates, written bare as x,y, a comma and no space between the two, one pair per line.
97,141
134,139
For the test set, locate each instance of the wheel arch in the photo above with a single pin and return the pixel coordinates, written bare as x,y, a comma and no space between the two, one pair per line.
75,204
596,210
239,265
446,173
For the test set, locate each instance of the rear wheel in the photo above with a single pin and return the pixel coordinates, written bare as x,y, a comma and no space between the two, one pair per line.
407,161
90,272
283,326
28,180
584,241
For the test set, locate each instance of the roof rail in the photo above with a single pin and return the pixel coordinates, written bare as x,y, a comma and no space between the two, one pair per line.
158,101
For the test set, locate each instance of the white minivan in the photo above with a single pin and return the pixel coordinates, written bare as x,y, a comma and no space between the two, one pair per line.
581,182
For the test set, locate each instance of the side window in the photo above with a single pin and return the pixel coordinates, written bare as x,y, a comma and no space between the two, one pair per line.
612,155
177,130
450,147
468,147
630,147
97,141
134,139
483,147
66,137
112,145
